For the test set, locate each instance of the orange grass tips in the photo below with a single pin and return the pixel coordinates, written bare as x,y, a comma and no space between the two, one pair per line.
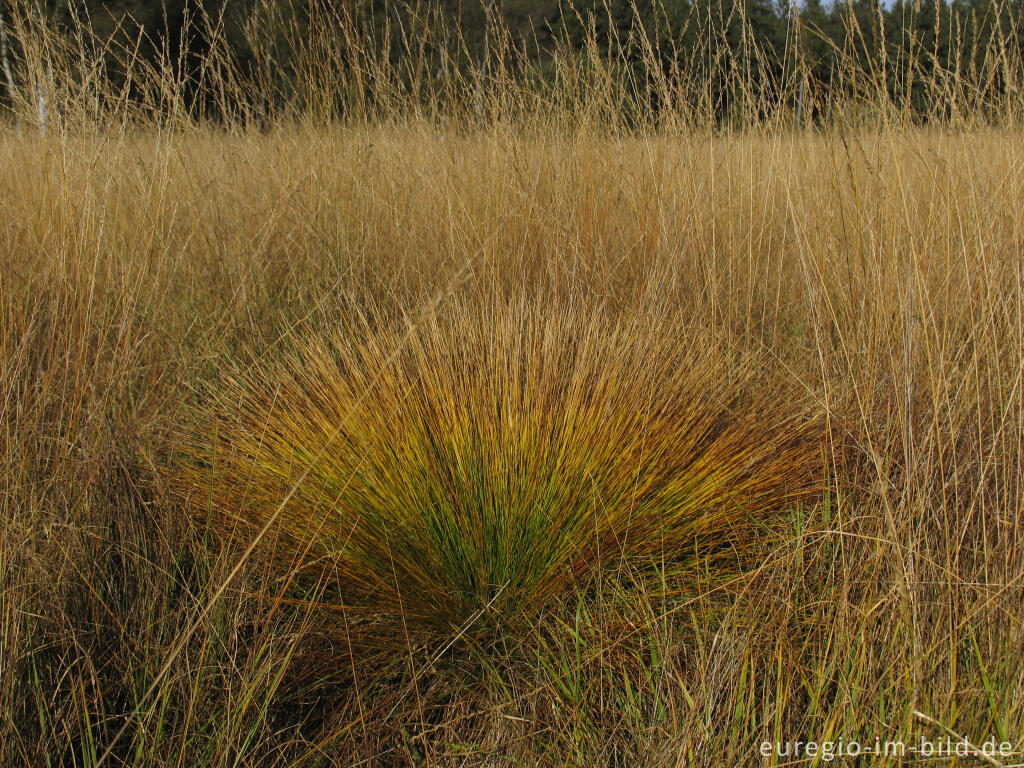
498,460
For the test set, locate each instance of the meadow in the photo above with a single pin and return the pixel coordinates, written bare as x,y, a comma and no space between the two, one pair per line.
527,436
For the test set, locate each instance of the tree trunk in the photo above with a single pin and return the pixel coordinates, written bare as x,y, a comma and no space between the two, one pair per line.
5,62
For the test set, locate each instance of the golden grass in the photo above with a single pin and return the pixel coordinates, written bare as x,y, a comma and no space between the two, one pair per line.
878,273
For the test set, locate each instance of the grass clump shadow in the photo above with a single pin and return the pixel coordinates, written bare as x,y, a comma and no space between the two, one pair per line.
454,481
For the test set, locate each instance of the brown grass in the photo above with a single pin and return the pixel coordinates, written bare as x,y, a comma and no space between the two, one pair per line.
879,271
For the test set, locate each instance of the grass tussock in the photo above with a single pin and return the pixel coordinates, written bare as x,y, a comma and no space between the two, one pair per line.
467,473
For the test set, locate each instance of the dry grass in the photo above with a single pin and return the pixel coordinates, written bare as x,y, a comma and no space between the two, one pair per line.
389,281
879,273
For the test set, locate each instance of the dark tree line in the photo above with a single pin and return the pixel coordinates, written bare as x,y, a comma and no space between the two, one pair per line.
915,53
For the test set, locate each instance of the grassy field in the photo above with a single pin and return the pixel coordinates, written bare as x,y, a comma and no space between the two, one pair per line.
516,442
